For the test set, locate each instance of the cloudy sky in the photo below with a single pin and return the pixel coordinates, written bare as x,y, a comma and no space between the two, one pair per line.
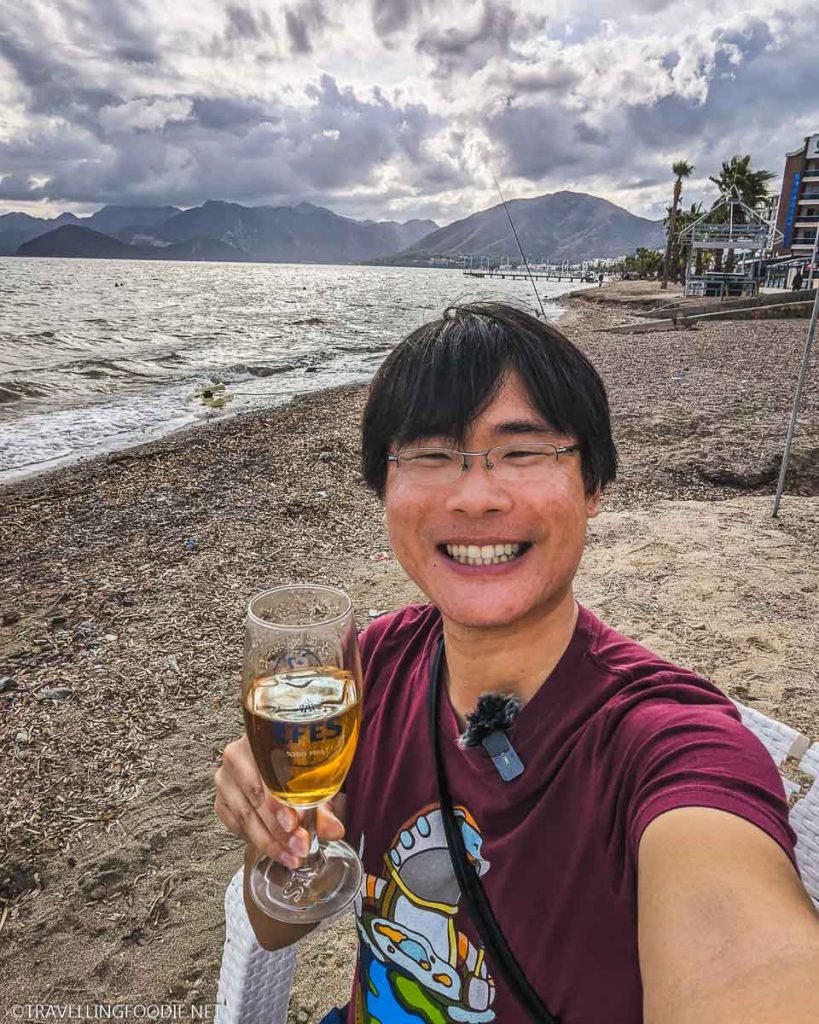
393,108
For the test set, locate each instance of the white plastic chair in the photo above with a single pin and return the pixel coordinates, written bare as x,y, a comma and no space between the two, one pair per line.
254,984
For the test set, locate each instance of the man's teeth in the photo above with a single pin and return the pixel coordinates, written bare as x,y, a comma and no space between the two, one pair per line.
488,554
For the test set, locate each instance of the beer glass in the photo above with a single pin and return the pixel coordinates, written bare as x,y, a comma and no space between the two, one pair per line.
301,698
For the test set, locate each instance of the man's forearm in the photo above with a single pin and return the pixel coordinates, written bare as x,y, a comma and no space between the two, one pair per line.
783,988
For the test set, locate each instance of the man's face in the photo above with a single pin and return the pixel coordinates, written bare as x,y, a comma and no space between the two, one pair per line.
545,514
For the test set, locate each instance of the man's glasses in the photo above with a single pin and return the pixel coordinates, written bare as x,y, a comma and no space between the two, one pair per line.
509,462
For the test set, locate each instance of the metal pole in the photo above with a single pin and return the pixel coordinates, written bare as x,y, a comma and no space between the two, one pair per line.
803,370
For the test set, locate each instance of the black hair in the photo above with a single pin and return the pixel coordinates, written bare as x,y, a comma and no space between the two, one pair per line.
445,373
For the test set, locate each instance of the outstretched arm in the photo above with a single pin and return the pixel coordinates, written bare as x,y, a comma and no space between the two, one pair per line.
727,932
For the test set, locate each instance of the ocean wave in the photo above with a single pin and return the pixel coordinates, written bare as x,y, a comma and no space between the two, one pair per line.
365,350
239,371
19,391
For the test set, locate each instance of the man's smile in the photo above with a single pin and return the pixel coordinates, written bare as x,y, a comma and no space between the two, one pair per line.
496,553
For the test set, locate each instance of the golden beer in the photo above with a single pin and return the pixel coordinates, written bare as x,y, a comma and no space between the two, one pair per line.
302,726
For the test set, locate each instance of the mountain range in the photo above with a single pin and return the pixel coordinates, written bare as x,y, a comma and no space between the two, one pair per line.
562,225
216,230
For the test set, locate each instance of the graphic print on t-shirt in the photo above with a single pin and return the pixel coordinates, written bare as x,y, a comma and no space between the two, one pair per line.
413,963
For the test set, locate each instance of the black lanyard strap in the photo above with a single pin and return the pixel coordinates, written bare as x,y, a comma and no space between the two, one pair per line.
469,883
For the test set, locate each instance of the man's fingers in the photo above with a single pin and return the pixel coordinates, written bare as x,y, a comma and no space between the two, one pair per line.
241,773
235,811
327,824
246,809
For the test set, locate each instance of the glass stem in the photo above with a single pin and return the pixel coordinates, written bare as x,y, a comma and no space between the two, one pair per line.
314,859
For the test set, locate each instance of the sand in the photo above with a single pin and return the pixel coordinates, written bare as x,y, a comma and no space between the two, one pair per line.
125,580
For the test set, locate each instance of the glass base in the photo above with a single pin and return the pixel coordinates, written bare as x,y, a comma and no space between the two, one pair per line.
307,895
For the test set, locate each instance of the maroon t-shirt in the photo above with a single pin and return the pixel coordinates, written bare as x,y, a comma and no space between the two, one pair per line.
614,737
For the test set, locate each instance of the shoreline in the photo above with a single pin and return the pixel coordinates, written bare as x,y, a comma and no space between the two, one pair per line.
155,446
126,578
195,418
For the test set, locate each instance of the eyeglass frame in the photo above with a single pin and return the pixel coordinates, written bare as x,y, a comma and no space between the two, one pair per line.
567,449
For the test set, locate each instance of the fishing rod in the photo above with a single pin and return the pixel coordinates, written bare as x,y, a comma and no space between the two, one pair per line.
520,247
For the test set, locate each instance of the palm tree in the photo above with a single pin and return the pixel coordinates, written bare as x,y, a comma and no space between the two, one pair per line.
681,169
736,176
680,256
750,187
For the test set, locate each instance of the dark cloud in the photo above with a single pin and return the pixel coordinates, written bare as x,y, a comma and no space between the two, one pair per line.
589,135
650,6
640,183
245,29
127,29
228,114
18,188
460,49
243,23
114,32
52,84
135,54
555,78
303,22
547,141
247,150
298,33
390,16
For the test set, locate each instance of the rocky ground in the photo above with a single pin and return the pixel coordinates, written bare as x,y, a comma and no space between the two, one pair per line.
125,581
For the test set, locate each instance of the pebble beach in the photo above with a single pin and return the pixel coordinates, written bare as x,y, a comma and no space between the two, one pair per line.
125,580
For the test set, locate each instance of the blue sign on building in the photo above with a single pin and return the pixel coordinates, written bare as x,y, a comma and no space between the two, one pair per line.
786,241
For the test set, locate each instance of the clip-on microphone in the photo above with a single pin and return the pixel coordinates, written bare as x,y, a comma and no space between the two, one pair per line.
488,724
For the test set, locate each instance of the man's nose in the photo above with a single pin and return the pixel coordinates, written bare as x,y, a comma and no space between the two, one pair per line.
478,490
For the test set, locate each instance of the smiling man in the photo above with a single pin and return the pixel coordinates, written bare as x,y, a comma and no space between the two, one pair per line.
640,867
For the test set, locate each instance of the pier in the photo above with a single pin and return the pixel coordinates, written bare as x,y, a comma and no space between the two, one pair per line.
538,275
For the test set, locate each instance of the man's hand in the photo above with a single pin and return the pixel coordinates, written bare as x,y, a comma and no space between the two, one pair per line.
249,812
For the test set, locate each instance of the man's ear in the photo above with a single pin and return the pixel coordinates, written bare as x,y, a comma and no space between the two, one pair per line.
593,502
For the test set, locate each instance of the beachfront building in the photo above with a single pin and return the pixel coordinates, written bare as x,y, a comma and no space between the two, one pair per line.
798,214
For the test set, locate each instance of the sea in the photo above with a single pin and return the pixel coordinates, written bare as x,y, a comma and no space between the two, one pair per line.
97,355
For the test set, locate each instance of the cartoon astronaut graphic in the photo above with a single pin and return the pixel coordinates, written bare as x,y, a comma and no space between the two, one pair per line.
414,965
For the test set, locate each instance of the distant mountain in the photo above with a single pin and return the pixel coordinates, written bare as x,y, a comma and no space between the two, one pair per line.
292,234
563,225
219,231
72,240
77,241
403,235
111,220
17,228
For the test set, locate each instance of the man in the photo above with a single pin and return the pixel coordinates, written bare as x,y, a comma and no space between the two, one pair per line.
641,868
